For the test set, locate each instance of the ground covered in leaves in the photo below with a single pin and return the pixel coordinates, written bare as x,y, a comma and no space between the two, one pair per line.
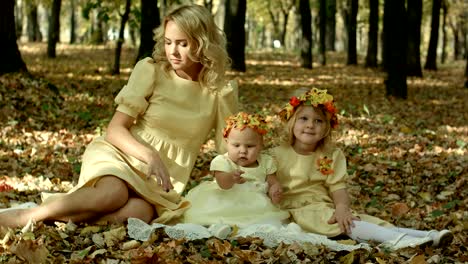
407,158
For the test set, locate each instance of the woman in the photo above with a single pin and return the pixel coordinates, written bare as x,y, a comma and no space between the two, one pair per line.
165,112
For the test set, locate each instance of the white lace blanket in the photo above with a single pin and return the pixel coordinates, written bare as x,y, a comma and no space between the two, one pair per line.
272,235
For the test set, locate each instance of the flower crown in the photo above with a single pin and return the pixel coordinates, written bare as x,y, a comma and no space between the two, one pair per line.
243,120
316,98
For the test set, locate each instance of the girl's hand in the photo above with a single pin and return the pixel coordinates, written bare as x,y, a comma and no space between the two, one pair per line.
275,192
344,218
237,177
157,169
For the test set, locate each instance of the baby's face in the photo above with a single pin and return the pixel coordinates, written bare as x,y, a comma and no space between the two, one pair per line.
244,146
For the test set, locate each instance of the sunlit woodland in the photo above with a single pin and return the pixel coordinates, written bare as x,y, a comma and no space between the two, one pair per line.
397,70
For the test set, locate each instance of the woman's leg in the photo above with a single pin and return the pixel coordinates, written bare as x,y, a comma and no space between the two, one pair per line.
109,194
135,207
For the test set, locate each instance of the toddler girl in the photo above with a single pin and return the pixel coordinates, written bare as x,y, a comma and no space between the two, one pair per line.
245,186
313,175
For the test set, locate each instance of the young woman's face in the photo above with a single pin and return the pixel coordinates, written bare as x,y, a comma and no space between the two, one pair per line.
177,49
243,146
310,127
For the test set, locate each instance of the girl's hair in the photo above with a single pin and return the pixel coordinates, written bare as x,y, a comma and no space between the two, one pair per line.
326,141
206,40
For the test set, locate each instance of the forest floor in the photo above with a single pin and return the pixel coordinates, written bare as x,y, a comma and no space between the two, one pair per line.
407,158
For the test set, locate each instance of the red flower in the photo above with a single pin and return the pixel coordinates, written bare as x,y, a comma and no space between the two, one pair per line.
294,101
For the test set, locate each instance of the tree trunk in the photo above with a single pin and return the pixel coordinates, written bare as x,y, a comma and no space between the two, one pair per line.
72,22
431,59
306,26
9,52
323,29
352,24
456,40
466,72
331,25
149,21
120,40
373,37
414,38
32,26
19,19
396,38
54,29
444,32
235,32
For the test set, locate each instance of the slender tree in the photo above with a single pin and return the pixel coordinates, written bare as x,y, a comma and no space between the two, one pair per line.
149,21
444,31
395,37
54,29
306,40
32,27
323,29
466,73
72,22
331,25
118,49
235,32
9,52
373,36
353,6
414,38
431,58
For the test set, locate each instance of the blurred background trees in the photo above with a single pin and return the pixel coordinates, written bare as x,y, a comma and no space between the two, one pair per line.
436,28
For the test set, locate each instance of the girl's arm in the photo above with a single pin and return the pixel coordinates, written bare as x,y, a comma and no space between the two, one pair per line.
342,215
226,180
118,134
274,188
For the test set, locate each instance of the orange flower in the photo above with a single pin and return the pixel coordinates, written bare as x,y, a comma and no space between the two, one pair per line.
325,165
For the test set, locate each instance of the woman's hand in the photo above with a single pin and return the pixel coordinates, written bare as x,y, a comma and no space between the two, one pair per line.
157,169
275,192
118,134
344,217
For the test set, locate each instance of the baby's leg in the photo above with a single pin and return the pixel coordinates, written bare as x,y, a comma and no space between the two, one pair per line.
109,194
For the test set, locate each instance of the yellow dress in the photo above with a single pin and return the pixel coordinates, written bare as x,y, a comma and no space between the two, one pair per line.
173,116
307,191
243,204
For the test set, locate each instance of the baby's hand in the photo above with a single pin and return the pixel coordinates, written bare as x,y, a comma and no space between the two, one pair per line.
237,177
275,192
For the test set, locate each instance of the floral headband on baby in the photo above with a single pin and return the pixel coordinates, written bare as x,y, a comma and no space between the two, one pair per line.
316,98
243,120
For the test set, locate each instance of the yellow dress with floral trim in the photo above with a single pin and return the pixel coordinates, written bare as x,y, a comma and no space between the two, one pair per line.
242,204
307,190
173,116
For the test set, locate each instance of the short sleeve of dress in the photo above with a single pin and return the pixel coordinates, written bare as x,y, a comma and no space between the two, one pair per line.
220,163
337,180
132,99
227,105
269,163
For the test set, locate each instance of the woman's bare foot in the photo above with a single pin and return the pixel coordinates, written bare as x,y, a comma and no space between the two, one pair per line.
15,218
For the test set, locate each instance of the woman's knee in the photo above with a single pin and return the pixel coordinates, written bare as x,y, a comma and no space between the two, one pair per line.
113,193
138,208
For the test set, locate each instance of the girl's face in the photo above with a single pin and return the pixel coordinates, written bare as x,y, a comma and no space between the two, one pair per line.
243,146
310,127
178,48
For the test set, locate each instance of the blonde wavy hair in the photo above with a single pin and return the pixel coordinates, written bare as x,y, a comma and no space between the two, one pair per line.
207,42
326,142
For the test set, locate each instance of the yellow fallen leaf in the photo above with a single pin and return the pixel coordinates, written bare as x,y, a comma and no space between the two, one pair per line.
425,196
90,229
419,259
30,251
